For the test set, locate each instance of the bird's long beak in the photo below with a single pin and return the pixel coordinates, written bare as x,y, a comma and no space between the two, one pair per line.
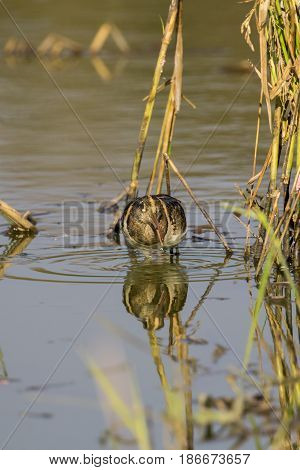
157,229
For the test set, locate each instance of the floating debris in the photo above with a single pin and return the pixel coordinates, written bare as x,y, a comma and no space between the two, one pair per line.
105,31
56,45
23,223
18,47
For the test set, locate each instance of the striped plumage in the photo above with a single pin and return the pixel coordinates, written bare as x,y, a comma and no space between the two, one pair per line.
154,221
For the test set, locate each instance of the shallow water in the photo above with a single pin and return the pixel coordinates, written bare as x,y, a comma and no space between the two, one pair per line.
93,298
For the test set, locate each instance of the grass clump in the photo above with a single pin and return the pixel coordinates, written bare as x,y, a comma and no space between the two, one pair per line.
278,29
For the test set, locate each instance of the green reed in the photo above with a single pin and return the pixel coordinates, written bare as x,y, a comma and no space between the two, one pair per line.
278,28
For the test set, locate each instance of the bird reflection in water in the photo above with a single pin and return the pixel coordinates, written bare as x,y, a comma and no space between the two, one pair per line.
154,292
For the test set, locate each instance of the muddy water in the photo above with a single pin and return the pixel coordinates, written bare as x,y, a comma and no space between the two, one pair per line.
63,300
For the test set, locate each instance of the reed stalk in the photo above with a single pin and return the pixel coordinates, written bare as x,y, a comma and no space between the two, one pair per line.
298,145
197,202
174,22
19,221
166,39
278,31
275,148
163,142
174,98
247,250
166,145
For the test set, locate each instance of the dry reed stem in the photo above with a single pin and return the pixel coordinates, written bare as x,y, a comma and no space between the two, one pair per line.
266,239
198,204
287,216
170,117
188,101
248,230
16,46
16,218
119,39
167,36
100,38
259,176
262,18
55,44
113,202
168,181
105,31
279,42
167,83
174,97
257,132
275,148
159,146
160,88
178,62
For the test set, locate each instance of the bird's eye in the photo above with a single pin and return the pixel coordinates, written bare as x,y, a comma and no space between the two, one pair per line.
143,208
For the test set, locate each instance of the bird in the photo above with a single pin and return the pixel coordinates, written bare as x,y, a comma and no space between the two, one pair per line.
154,221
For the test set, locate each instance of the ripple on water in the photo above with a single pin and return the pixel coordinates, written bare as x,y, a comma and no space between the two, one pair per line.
108,264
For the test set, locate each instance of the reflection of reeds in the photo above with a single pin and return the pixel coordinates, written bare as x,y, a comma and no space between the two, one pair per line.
284,359
274,254
16,246
3,371
275,289
216,417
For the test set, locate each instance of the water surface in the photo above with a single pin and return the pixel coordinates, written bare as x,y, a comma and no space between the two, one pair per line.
93,298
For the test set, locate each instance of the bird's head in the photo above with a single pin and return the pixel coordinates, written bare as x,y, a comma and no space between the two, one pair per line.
146,221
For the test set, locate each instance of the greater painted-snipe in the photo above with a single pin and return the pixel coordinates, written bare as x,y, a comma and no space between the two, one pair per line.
154,221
